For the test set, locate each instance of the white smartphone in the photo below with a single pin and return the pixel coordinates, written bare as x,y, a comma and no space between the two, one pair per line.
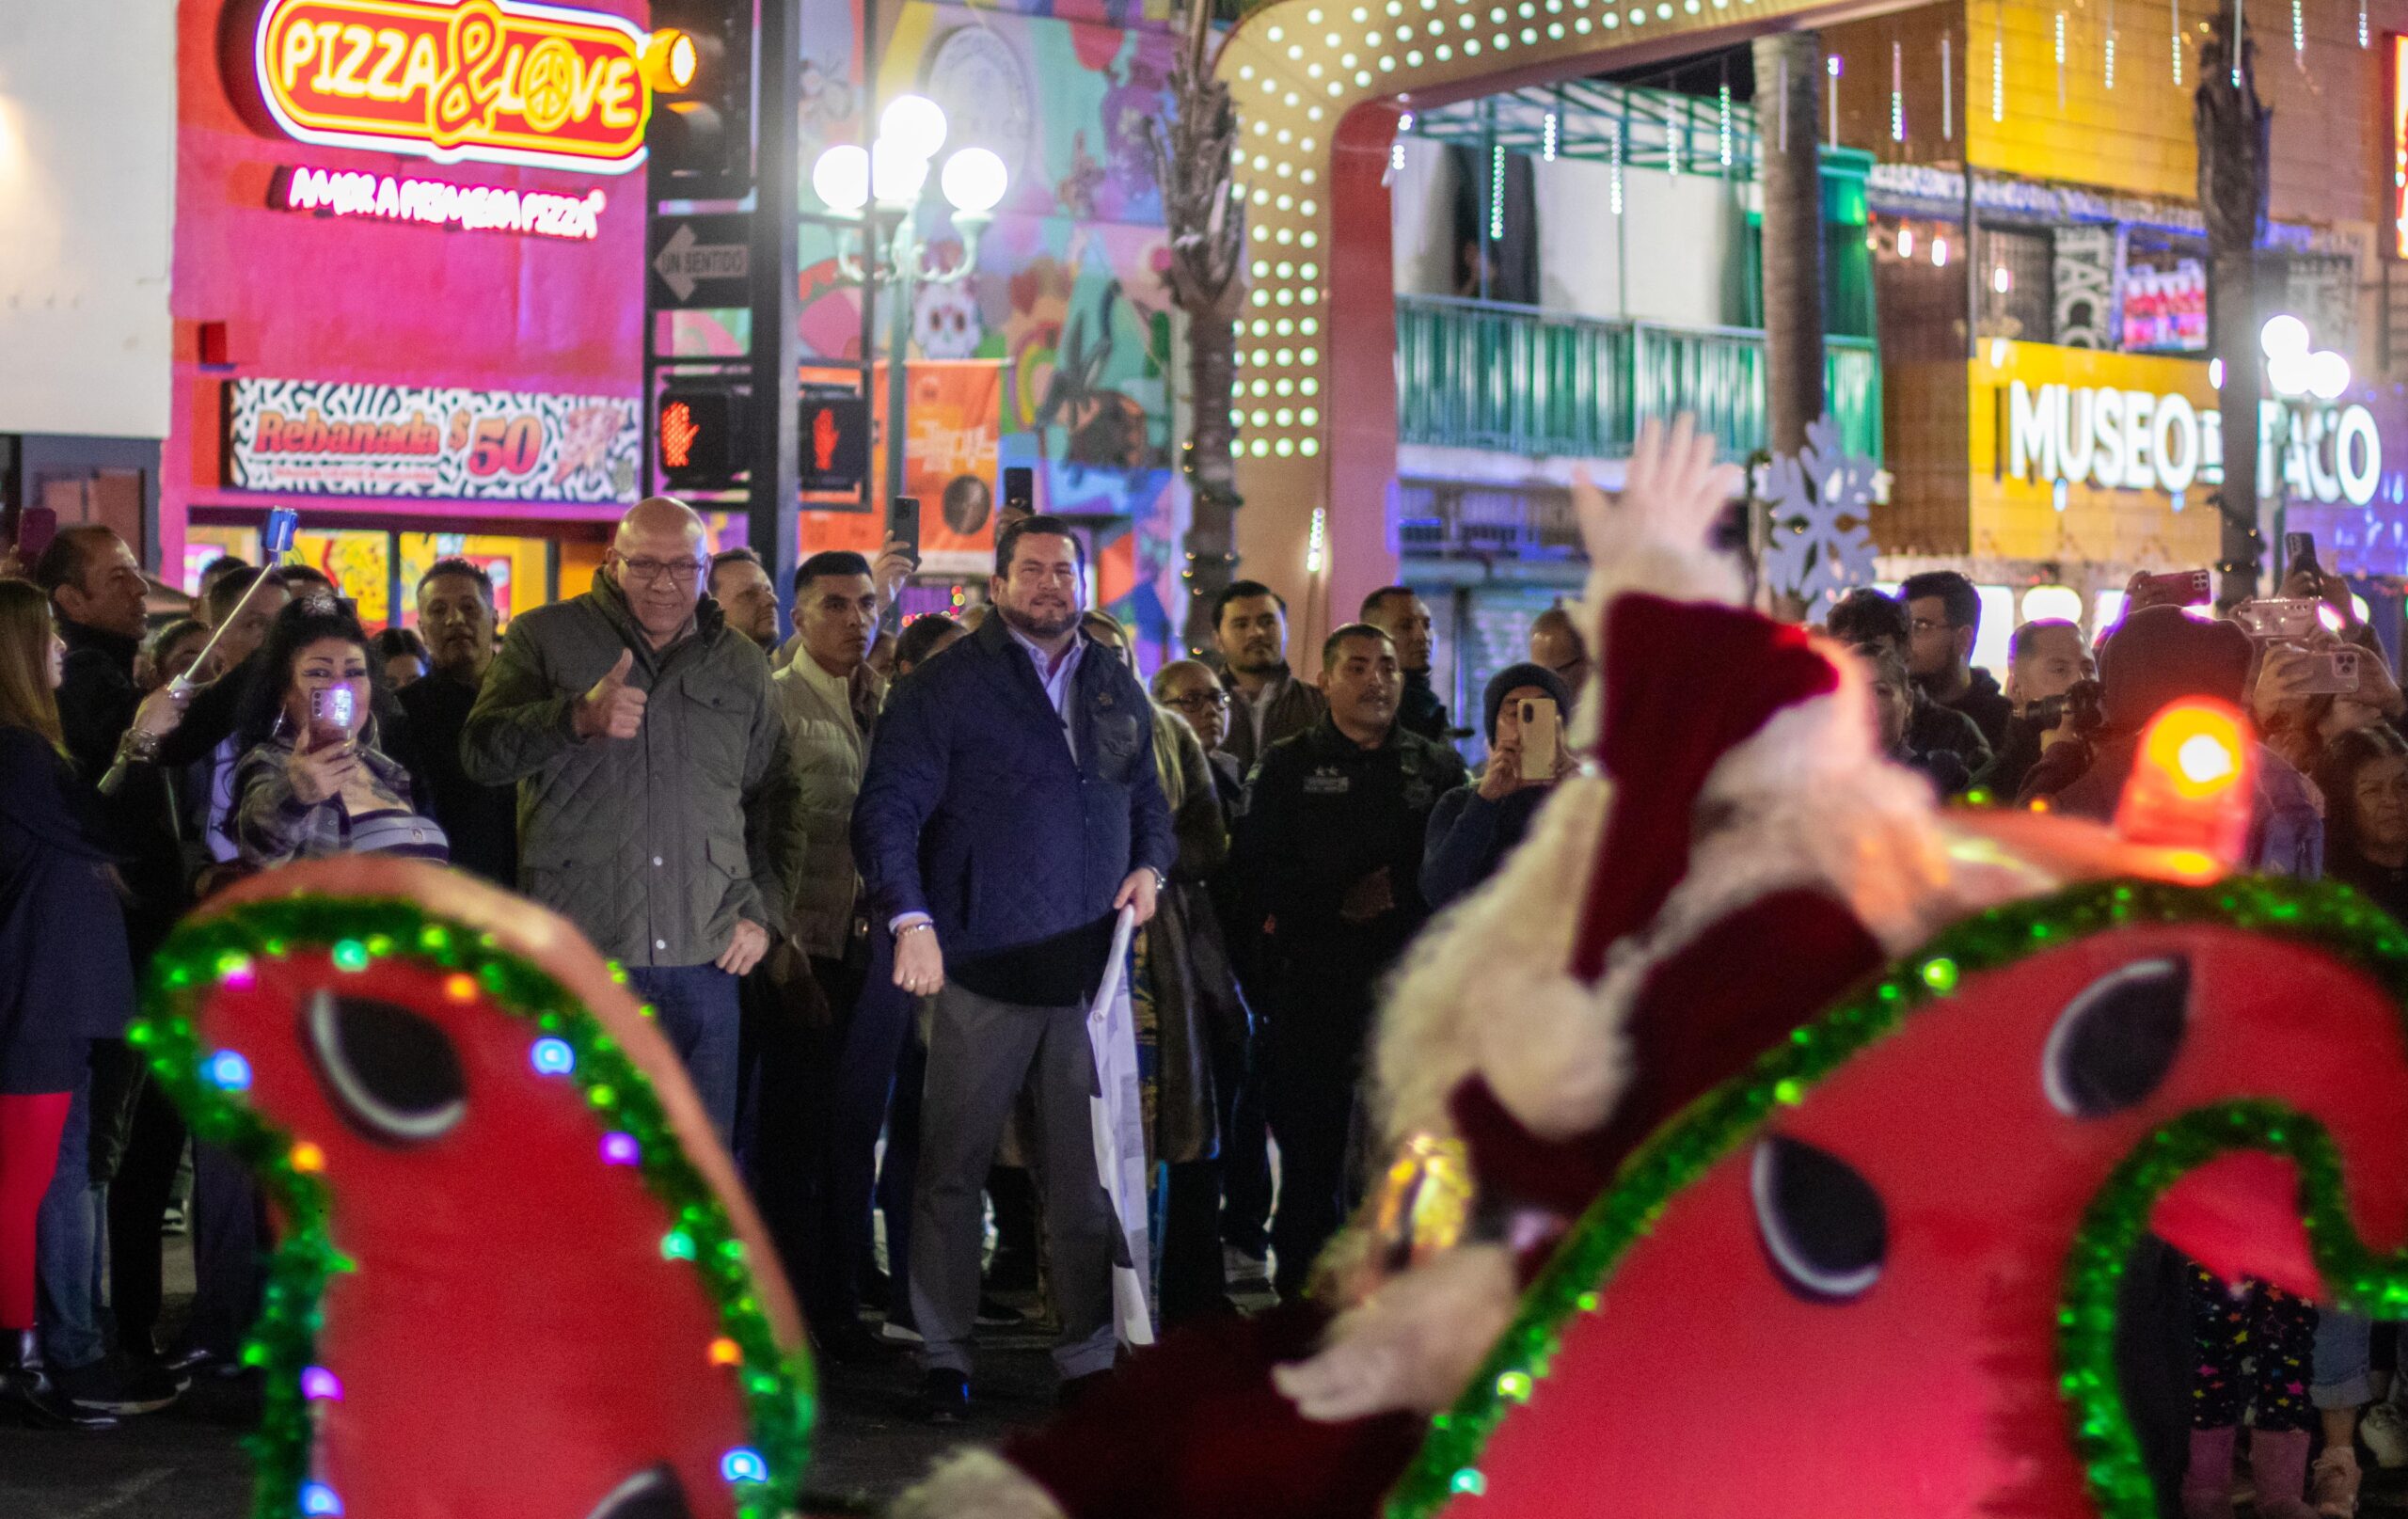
1541,736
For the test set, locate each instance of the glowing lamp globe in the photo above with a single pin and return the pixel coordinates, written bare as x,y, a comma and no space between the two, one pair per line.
915,124
2289,373
2328,374
974,181
2052,603
895,175
841,178
2282,335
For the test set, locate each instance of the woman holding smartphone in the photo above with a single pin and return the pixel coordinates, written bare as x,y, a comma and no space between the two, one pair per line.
314,781
1475,826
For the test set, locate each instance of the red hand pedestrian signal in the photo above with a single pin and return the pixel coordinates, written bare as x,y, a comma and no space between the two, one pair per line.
677,435
696,441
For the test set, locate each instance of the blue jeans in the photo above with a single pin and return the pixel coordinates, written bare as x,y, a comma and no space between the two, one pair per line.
695,1006
2344,1359
67,1246
229,1241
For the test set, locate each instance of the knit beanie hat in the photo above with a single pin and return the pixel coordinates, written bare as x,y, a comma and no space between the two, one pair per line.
2161,655
1512,678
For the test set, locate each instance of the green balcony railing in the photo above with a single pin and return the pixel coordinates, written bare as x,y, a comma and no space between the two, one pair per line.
1482,376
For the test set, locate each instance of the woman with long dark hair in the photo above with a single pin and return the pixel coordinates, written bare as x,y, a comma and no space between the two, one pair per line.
2364,776
312,781
66,975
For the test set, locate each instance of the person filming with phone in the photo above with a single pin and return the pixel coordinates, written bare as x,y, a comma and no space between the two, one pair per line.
312,781
1475,826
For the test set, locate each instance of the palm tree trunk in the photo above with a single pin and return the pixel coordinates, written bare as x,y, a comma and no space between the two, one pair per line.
2232,127
1787,67
1193,157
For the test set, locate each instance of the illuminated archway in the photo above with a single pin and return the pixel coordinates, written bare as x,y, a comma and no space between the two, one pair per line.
1317,86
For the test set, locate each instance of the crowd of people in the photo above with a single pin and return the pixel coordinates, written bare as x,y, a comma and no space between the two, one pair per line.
868,876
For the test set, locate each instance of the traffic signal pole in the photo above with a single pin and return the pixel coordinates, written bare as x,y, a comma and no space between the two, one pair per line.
772,524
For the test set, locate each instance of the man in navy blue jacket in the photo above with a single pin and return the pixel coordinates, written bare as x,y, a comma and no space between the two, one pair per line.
1009,811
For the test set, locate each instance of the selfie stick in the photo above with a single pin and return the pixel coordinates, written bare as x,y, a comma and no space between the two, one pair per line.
276,540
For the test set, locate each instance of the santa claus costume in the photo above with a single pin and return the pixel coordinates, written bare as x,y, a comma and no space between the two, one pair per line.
1735,854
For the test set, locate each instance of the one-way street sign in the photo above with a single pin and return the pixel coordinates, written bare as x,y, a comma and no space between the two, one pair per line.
701,260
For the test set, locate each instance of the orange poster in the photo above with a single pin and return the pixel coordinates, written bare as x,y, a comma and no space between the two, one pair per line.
953,420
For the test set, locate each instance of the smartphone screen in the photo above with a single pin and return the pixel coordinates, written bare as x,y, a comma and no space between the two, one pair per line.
1541,737
2299,550
1019,488
903,523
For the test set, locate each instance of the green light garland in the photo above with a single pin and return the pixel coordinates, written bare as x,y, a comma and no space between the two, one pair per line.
2326,916
200,956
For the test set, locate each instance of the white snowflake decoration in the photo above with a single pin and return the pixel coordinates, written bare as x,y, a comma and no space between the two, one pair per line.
1820,505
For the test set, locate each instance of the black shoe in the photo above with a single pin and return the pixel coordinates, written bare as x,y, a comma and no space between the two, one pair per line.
116,1385
995,1315
198,1361
1076,1390
27,1392
943,1398
878,1291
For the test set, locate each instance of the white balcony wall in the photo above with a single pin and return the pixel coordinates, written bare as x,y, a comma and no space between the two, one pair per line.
88,152
1421,200
1673,255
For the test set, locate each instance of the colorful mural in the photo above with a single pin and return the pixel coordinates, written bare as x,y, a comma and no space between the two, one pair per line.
1069,291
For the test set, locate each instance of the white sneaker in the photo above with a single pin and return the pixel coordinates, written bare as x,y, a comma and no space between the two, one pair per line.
898,1333
1239,1269
2384,1429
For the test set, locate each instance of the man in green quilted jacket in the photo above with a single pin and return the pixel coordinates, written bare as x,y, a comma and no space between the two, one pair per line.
657,802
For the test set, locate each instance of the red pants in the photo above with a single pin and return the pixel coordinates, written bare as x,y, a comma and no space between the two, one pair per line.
29,1130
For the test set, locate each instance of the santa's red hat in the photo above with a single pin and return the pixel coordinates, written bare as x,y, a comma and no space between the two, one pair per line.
1685,686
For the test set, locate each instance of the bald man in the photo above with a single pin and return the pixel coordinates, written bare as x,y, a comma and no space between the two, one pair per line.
1556,644
657,807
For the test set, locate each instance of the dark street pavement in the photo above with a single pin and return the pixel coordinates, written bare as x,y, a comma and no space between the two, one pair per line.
187,1461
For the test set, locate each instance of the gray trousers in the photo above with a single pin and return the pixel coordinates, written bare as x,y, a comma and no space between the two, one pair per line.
981,1053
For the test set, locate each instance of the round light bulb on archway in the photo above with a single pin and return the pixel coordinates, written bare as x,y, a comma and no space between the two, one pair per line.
2282,335
841,178
913,123
974,181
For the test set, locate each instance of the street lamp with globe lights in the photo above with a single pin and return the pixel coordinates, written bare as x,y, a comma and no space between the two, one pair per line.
888,178
2304,378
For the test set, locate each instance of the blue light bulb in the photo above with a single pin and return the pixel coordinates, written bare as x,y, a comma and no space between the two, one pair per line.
553,1057
229,1071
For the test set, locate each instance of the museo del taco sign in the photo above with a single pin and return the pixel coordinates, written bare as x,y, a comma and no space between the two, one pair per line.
2143,440
495,81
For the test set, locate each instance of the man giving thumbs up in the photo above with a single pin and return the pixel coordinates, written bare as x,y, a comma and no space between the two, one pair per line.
657,809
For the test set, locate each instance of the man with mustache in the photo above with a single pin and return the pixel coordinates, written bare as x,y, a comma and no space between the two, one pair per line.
1332,842
1010,810
455,617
